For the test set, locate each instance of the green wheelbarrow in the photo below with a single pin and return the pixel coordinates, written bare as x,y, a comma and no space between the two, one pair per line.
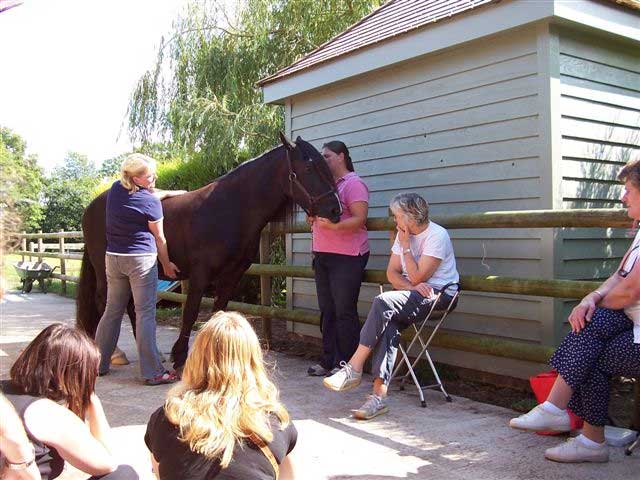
29,273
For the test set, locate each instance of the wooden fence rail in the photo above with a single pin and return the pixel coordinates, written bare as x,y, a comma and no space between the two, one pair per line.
493,284
602,218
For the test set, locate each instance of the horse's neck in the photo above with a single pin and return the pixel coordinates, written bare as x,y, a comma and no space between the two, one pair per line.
258,187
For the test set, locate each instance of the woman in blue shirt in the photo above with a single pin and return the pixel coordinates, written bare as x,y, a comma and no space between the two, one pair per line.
135,242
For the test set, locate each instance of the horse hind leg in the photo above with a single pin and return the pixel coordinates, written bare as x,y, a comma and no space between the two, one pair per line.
190,311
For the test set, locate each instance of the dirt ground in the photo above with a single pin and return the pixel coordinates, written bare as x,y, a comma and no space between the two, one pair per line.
486,388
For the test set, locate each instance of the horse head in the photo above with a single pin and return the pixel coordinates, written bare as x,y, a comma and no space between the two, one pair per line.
310,180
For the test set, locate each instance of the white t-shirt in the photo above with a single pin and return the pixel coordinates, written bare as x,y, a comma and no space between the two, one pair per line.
633,311
433,242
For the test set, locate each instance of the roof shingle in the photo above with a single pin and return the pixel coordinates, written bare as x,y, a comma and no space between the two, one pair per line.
389,20
393,18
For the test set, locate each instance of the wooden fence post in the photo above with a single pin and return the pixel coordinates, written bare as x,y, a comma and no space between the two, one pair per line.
32,249
265,280
23,245
63,265
40,245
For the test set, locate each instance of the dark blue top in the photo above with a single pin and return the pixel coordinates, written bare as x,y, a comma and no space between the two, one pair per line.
127,220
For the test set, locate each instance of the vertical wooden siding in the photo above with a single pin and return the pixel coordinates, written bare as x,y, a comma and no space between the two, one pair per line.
460,128
600,126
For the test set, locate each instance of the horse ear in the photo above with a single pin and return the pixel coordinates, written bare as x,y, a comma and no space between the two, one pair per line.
286,142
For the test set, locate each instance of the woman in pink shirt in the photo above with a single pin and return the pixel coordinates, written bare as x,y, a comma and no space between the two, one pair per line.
340,254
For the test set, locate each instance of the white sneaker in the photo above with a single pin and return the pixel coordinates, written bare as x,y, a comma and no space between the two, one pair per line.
574,451
539,420
344,379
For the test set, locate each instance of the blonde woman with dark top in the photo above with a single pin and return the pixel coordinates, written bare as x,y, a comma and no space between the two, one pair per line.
223,420
135,245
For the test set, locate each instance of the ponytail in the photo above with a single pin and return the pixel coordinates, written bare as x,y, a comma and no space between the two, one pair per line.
338,147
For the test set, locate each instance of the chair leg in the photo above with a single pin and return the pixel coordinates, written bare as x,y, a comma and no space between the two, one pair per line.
410,371
435,374
631,447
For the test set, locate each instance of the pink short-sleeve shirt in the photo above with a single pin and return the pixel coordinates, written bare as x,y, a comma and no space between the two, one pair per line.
351,189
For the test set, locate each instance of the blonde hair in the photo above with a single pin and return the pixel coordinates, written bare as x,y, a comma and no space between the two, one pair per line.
225,394
135,165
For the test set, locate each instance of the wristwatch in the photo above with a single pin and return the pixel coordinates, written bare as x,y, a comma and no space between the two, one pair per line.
406,250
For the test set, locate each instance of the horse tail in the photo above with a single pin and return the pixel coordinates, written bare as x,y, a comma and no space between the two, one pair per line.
87,315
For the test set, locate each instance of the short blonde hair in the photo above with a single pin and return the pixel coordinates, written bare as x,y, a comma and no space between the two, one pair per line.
225,394
135,165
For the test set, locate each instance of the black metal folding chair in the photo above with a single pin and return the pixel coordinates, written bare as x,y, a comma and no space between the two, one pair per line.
434,319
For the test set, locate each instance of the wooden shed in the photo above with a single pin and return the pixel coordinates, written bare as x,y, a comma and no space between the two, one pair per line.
480,105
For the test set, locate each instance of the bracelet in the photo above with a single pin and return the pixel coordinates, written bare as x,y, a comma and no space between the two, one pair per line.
21,465
406,250
599,293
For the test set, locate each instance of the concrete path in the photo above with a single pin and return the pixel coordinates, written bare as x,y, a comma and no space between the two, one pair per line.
462,440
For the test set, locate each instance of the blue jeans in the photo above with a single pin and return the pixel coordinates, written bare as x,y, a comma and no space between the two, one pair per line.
137,274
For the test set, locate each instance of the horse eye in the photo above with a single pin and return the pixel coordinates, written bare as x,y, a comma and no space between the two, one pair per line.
308,168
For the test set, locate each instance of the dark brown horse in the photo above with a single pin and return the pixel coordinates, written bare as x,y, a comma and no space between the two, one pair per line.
213,233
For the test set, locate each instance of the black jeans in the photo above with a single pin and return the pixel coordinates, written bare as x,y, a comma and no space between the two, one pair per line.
338,279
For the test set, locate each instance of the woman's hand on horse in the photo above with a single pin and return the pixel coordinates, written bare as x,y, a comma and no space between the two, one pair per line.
171,270
162,194
310,219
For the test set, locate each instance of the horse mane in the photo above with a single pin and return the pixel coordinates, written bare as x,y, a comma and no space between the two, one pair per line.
286,215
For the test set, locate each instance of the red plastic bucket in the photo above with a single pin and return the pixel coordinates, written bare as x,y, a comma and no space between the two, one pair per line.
541,385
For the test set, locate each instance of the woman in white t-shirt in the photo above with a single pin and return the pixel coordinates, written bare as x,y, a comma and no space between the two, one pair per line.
421,264
604,342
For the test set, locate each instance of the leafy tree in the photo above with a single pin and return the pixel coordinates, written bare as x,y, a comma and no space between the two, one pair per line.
64,203
111,166
21,184
69,190
76,165
208,108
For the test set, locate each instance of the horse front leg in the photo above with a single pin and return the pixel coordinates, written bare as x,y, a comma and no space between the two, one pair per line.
227,286
189,315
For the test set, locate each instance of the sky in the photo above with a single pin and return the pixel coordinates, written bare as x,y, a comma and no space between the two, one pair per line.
68,69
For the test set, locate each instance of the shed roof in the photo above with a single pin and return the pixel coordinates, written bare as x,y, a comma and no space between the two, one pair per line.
391,19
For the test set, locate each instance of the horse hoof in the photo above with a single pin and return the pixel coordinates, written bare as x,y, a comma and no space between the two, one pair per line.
119,358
